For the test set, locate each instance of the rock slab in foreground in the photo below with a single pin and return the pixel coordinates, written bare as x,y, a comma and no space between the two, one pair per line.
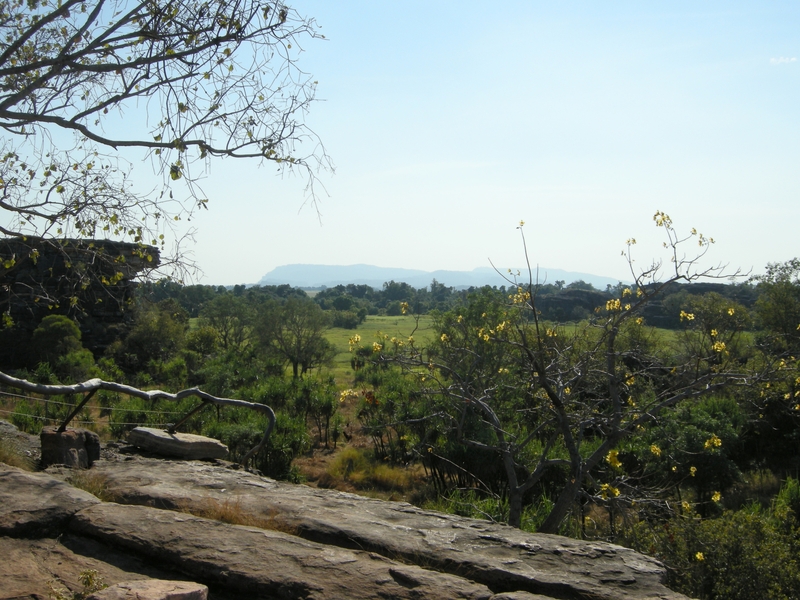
152,589
36,503
258,563
180,445
501,557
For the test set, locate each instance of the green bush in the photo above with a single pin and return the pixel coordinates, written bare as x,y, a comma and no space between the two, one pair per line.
288,440
741,555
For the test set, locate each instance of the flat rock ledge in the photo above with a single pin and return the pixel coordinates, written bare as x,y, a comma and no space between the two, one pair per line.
152,589
310,543
180,445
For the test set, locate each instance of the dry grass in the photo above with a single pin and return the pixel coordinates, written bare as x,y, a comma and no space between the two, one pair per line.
93,482
231,511
352,469
11,455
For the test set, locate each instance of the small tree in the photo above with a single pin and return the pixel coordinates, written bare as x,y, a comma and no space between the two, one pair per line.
294,330
778,306
231,317
555,402
56,336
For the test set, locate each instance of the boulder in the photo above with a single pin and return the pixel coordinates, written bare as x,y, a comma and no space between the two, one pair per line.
76,448
181,445
152,589
36,503
258,563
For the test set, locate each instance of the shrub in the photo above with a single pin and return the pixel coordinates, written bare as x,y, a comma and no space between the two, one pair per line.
746,554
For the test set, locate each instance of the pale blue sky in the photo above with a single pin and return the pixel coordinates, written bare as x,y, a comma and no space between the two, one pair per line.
448,122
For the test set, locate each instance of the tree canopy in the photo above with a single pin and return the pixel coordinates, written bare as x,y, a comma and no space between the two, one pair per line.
184,80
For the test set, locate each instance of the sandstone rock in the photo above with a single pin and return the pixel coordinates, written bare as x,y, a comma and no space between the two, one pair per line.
129,543
181,445
503,558
36,503
520,596
34,569
261,563
152,589
76,448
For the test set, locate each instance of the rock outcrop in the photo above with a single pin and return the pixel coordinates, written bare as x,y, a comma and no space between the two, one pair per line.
308,543
91,281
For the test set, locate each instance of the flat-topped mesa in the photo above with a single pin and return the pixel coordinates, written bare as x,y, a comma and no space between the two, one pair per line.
92,281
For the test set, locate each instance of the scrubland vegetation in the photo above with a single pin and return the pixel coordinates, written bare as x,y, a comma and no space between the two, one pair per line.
663,415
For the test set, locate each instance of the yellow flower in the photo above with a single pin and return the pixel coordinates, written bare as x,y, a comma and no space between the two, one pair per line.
522,223
613,305
699,556
716,497
712,442
612,458
626,292
655,450
687,316
686,506
445,338
376,347
404,307
718,346
459,319
693,471
551,332
520,297
662,219
354,342
345,394
675,469
714,333
607,490
731,311
639,321
502,371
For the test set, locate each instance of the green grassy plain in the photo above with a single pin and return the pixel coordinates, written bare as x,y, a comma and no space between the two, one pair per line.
400,327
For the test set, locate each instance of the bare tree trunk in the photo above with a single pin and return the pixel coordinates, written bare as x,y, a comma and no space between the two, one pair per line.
515,506
561,507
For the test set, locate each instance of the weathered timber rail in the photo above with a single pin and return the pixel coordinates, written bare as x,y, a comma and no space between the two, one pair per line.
92,386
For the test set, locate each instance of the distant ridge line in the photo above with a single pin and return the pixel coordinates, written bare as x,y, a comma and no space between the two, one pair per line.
317,276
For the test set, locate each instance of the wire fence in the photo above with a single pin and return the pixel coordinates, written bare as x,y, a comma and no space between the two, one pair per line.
21,397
